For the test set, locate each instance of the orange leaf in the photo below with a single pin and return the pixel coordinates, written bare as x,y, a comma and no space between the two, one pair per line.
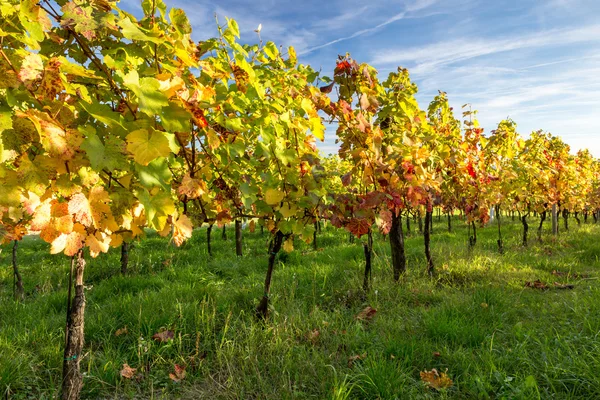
436,380
127,372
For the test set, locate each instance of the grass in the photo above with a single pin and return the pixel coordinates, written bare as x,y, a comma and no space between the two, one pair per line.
496,338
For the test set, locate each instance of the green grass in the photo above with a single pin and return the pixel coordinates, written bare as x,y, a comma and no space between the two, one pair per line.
496,338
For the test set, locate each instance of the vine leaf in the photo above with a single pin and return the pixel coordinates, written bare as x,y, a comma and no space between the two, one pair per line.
147,145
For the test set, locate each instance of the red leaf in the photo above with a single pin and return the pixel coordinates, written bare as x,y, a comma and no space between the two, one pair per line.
471,170
179,373
341,67
358,226
347,179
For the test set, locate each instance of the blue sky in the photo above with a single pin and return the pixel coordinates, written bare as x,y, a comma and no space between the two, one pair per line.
535,61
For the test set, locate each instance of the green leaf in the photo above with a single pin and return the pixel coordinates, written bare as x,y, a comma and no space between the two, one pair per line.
271,50
175,118
150,99
103,113
158,207
155,174
101,156
180,21
147,145
233,26
133,32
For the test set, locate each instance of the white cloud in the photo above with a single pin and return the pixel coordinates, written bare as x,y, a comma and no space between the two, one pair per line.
430,57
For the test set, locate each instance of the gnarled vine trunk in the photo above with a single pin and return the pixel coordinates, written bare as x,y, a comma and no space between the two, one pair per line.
224,233
238,237
124,257
208,244
565,215
18,290
525,229
397,246
500,243
315,247
72,380
473,237
577,218
427,237
449,222
274,247
368,249
540,227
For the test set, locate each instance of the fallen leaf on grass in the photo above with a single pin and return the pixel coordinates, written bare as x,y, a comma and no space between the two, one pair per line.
163,336
436,380
127,372
179,374
367,314
484,305
357,357
559,285
313,336
437,354
536,285
121,331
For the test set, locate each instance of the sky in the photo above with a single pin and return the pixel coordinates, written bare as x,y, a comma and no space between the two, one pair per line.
534,61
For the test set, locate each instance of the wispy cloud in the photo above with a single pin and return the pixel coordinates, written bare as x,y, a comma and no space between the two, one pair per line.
428,58
409,8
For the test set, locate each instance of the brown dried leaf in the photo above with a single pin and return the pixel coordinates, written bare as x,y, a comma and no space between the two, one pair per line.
357,357
122,331
436,380
313,336
367,314
536,285
327,89
163,336
127,372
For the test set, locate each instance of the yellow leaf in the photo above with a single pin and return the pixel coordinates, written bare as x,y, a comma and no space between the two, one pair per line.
116,240
147,145
317,128
98,243
288,210
288,245
274,196
182,229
